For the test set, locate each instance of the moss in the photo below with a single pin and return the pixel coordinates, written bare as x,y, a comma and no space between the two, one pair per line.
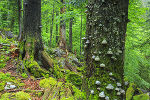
74,78
141,97
130,91
33,67
2,84
5,96
48,82
70,98
24,75
78,94
22,96
57,72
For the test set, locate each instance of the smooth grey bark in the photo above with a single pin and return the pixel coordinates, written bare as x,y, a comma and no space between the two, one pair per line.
104,48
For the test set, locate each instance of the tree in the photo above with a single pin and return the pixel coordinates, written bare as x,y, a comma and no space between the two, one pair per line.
32,28
70,34
62,41
57,29
51,26
104,49
20,18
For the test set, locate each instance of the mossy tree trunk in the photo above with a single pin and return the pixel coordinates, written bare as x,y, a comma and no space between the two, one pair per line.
104,48
32,29
62,41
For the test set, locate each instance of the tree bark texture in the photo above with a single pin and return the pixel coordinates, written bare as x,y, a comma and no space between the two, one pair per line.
20,19
70,34
104,46
51,26
81,35
62,41
32,28
57,35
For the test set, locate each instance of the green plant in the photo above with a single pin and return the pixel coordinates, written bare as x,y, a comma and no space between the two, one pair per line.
24,75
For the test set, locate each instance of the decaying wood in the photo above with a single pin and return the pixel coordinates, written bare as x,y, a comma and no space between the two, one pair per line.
46,60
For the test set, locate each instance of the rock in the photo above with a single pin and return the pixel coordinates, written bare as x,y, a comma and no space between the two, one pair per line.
12,86
9,85
9,34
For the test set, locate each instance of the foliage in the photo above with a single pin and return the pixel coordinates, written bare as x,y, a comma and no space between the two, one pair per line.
141,97
136,62
24,75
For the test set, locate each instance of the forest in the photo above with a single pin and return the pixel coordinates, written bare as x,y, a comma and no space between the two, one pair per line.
74,49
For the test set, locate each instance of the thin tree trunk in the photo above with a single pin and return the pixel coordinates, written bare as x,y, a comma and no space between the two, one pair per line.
81,35
51,27
57,29
70,34
62,42
20,19
104,49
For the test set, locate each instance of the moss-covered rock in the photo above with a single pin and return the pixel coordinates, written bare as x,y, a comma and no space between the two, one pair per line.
141,97
22,96
60,90
48,82
130,91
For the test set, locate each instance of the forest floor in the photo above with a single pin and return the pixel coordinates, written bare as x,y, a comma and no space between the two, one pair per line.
29,84
12,82
63,82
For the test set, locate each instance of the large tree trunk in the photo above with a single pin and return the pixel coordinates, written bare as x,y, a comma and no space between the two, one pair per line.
62,41
104,48
32,28
70,34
